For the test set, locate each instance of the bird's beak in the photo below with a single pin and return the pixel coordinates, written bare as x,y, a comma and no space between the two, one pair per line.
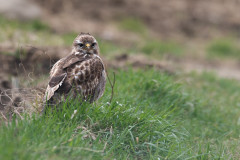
87,45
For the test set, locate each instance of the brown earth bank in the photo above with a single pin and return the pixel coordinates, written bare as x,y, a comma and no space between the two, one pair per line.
189,18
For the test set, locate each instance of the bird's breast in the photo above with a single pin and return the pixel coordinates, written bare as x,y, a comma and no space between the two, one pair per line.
84,76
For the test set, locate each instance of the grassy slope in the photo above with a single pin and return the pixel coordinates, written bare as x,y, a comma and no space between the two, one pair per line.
215,120
131,115
224,48
151,117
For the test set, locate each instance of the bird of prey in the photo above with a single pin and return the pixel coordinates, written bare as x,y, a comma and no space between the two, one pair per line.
81,73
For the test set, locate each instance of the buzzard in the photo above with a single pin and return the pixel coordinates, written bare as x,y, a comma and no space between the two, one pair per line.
81,74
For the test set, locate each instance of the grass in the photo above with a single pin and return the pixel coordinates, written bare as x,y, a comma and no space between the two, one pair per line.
133,25
34,25
109,49
36,33
149,46
150,117
221,104
33,33
130,128
215,120
224,48
161,48
68,38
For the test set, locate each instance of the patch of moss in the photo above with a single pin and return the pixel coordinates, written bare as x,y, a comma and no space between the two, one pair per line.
133,25
69,37
224,48
157,47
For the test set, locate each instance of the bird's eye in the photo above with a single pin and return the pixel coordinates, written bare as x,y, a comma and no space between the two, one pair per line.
80,45
93,44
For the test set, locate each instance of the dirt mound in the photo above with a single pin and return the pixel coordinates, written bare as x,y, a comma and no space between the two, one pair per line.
19,68
188,17
25,60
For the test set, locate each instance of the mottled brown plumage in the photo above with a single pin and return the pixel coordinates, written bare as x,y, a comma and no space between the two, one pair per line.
80,73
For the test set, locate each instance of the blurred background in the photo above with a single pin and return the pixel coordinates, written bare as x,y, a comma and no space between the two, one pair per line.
187,34
174,36
178,59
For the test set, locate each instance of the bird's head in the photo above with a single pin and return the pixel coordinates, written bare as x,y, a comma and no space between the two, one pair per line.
85,43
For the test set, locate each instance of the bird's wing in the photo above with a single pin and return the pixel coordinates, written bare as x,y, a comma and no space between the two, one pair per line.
58,74
53,86
99,90
72,59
